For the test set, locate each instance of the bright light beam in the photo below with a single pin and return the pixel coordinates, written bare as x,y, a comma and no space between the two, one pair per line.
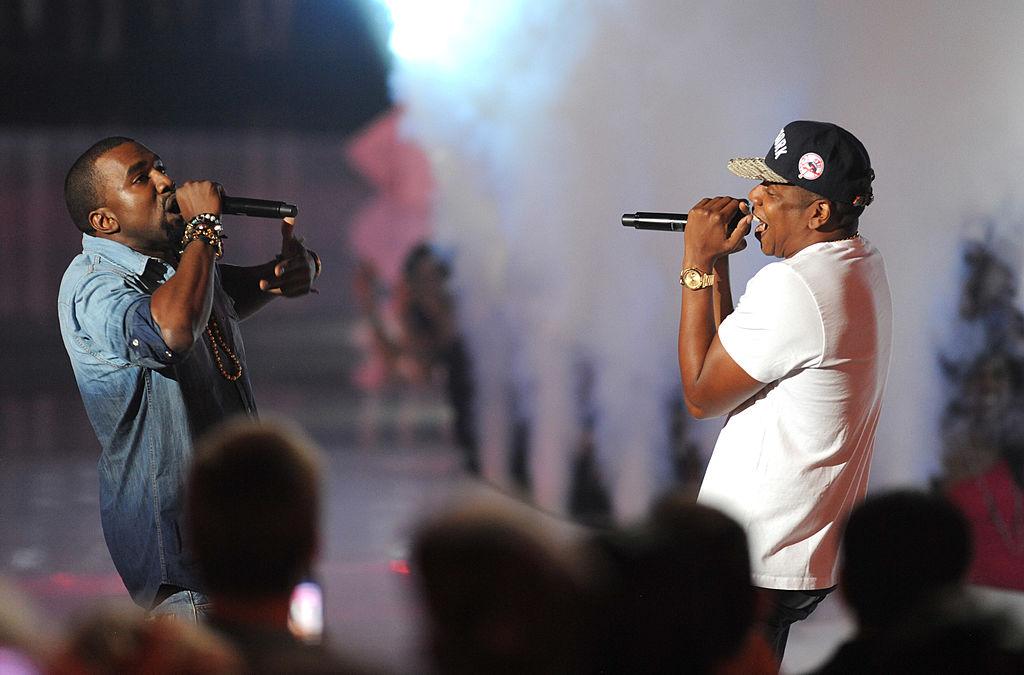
439,32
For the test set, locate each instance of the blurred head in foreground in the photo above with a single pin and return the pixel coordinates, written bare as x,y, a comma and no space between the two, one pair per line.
899,548
254,509
680,596
112,639
502,594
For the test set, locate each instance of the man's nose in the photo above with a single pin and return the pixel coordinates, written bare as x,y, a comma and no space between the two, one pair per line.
163,182
755,193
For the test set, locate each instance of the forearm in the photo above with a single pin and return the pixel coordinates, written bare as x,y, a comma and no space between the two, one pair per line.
181,306
243,285
722,291
713,383
697,325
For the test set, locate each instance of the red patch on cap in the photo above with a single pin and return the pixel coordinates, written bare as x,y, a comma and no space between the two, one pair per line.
811,166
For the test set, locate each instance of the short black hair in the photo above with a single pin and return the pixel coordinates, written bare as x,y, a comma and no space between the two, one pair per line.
81,189
253,508
847,216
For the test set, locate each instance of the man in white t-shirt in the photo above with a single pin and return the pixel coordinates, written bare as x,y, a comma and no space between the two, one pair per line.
799,366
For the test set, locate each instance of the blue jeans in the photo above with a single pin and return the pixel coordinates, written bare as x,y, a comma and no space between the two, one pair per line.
187,605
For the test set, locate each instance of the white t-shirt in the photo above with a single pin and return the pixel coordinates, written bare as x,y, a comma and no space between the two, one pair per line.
790,463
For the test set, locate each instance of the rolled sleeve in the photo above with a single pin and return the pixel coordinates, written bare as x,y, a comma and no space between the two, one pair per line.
145,343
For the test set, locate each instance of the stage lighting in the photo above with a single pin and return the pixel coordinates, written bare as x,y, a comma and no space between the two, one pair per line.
442,31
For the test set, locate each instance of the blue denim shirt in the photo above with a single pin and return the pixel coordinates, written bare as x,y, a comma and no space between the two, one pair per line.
146,404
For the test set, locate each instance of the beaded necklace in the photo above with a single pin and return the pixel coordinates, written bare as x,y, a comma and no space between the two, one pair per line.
218,344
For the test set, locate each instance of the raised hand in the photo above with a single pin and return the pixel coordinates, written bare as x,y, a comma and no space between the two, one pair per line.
296,267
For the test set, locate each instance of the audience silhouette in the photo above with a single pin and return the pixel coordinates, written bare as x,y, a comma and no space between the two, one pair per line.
506,590
115,638
679,595
501,593
905,556
24,644
253,513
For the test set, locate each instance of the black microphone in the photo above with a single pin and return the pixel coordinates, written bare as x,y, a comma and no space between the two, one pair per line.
669,222
257,208
651,220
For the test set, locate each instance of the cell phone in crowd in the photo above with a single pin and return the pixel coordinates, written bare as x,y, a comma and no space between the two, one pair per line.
306,613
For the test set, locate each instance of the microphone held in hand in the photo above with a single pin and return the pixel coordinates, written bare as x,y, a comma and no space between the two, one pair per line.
257,208
670,222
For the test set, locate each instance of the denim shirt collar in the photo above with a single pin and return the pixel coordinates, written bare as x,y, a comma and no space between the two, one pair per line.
117,253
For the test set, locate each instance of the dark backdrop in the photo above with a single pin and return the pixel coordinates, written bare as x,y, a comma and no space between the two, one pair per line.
291,64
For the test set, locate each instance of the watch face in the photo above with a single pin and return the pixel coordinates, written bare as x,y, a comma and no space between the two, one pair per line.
692,278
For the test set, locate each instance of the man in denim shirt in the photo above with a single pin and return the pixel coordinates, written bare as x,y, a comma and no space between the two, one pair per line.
150,323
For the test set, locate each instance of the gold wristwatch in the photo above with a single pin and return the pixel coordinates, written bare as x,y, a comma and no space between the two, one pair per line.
694,279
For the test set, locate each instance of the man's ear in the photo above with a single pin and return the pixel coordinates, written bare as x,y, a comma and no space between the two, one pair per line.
821,213
104,221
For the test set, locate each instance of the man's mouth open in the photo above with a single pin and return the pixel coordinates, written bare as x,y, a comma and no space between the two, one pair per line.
759,227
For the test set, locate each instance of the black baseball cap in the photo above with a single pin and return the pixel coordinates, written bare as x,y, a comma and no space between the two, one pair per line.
820,157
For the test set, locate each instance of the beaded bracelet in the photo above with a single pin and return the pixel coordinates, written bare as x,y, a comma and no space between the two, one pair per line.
206,227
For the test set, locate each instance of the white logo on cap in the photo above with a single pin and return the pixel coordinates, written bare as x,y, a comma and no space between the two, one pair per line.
811,166
780,144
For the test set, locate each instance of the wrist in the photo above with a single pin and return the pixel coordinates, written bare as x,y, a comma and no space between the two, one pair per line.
704,263
201,246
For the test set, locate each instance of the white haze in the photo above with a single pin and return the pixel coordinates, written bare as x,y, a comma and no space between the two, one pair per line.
546,121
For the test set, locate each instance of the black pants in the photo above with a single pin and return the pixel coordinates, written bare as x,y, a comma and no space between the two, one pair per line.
784,609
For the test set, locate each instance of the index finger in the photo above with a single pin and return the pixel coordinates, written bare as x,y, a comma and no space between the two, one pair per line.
741,230
287,228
